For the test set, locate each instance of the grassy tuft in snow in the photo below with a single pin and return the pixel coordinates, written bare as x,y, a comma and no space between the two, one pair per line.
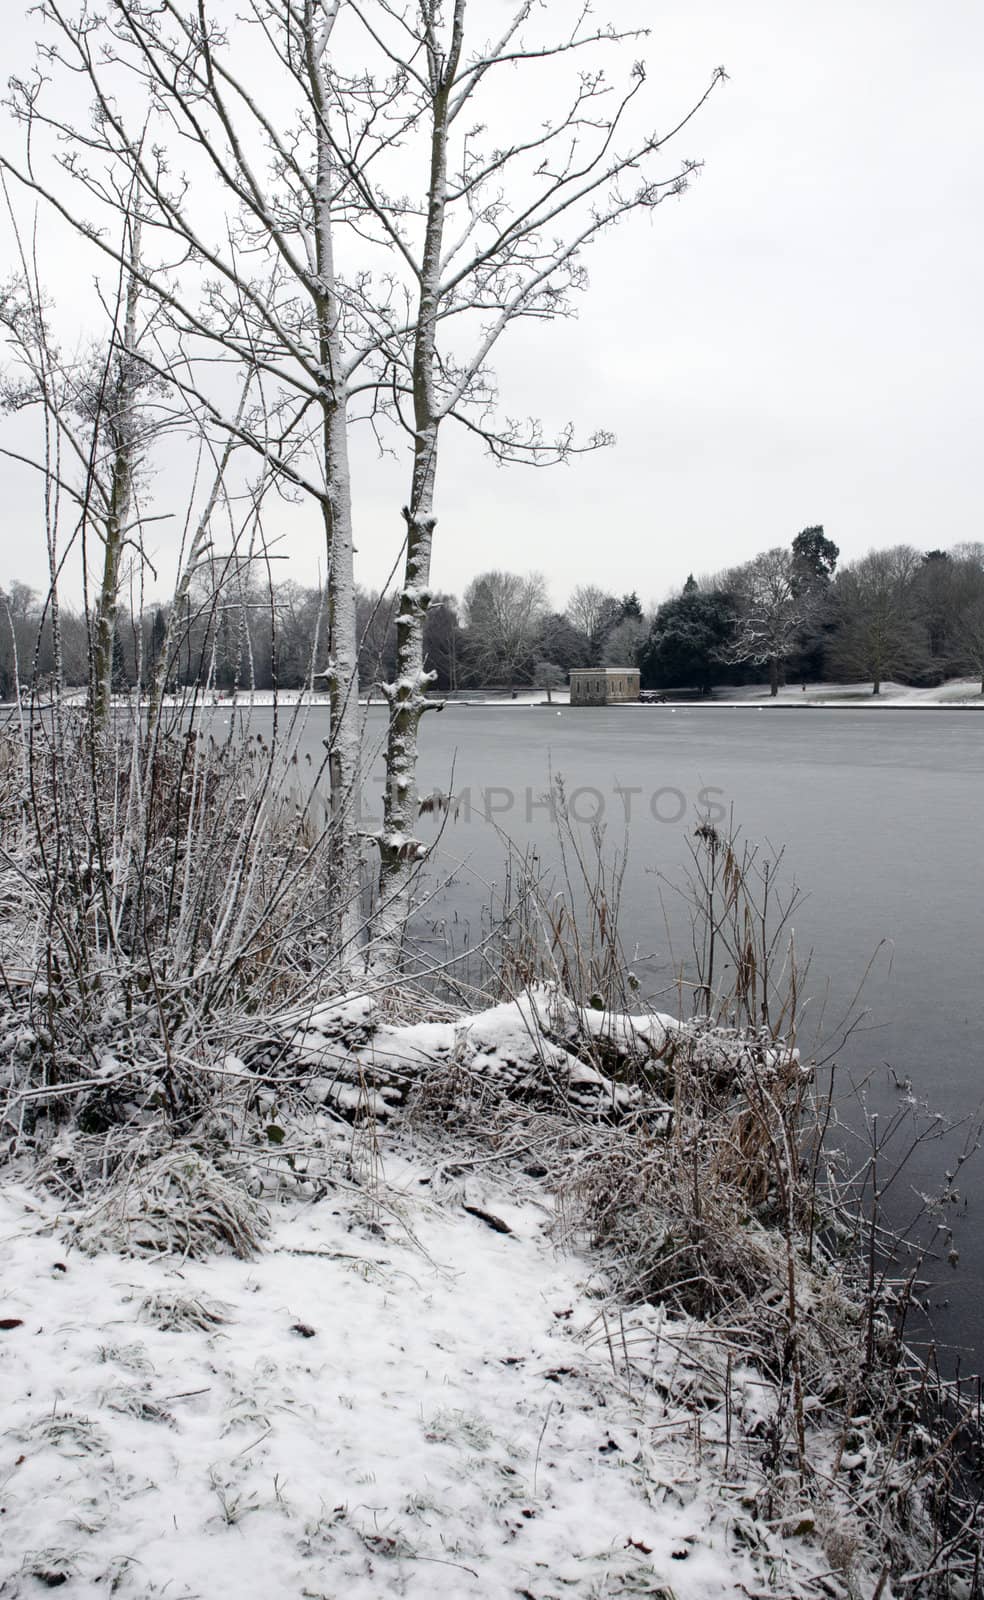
178,1313
178,1203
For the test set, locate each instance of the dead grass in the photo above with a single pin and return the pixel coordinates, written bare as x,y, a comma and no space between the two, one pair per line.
177,1204
180,1313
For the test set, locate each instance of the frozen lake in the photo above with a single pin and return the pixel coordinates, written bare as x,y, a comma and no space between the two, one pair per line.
880,815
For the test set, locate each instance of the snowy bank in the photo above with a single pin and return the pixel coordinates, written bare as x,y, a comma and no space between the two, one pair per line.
504,1304
396,1397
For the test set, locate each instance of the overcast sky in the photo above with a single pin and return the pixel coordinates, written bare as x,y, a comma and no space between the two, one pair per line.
796,340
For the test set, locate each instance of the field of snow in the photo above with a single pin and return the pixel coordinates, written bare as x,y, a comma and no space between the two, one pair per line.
956,692
398,1397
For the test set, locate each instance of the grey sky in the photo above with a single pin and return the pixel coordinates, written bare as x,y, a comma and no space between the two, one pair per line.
797,340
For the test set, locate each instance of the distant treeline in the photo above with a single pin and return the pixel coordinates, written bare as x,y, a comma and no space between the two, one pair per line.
788,615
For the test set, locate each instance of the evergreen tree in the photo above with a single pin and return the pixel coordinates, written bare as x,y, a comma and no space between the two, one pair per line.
814,560
686,635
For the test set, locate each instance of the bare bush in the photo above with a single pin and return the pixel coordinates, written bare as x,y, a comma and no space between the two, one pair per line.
161,898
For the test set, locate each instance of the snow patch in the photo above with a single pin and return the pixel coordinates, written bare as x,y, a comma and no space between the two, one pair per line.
429,1409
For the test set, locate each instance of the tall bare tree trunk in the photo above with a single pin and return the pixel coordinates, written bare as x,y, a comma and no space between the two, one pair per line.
511,257
345,733
400,850
345,736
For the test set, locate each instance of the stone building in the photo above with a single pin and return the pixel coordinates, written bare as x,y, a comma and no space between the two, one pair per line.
604,686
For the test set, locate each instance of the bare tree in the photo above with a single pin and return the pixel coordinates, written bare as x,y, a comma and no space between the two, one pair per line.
442,640
250,277
879,630
376,618
969,637
20,626
938,587
506,222
624,644
372,239
593,611
547,675
774,612
968,619
503,612
93,403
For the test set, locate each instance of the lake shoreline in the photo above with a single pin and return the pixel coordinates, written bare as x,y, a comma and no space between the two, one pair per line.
524,1306
958,694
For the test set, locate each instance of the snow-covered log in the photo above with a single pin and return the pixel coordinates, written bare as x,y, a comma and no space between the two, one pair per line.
539,1049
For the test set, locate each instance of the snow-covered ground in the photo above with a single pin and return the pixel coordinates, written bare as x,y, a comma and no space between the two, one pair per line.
414,1377
957,692
395,1398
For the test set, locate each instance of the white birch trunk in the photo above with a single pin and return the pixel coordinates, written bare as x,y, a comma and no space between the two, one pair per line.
401,852
345,732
